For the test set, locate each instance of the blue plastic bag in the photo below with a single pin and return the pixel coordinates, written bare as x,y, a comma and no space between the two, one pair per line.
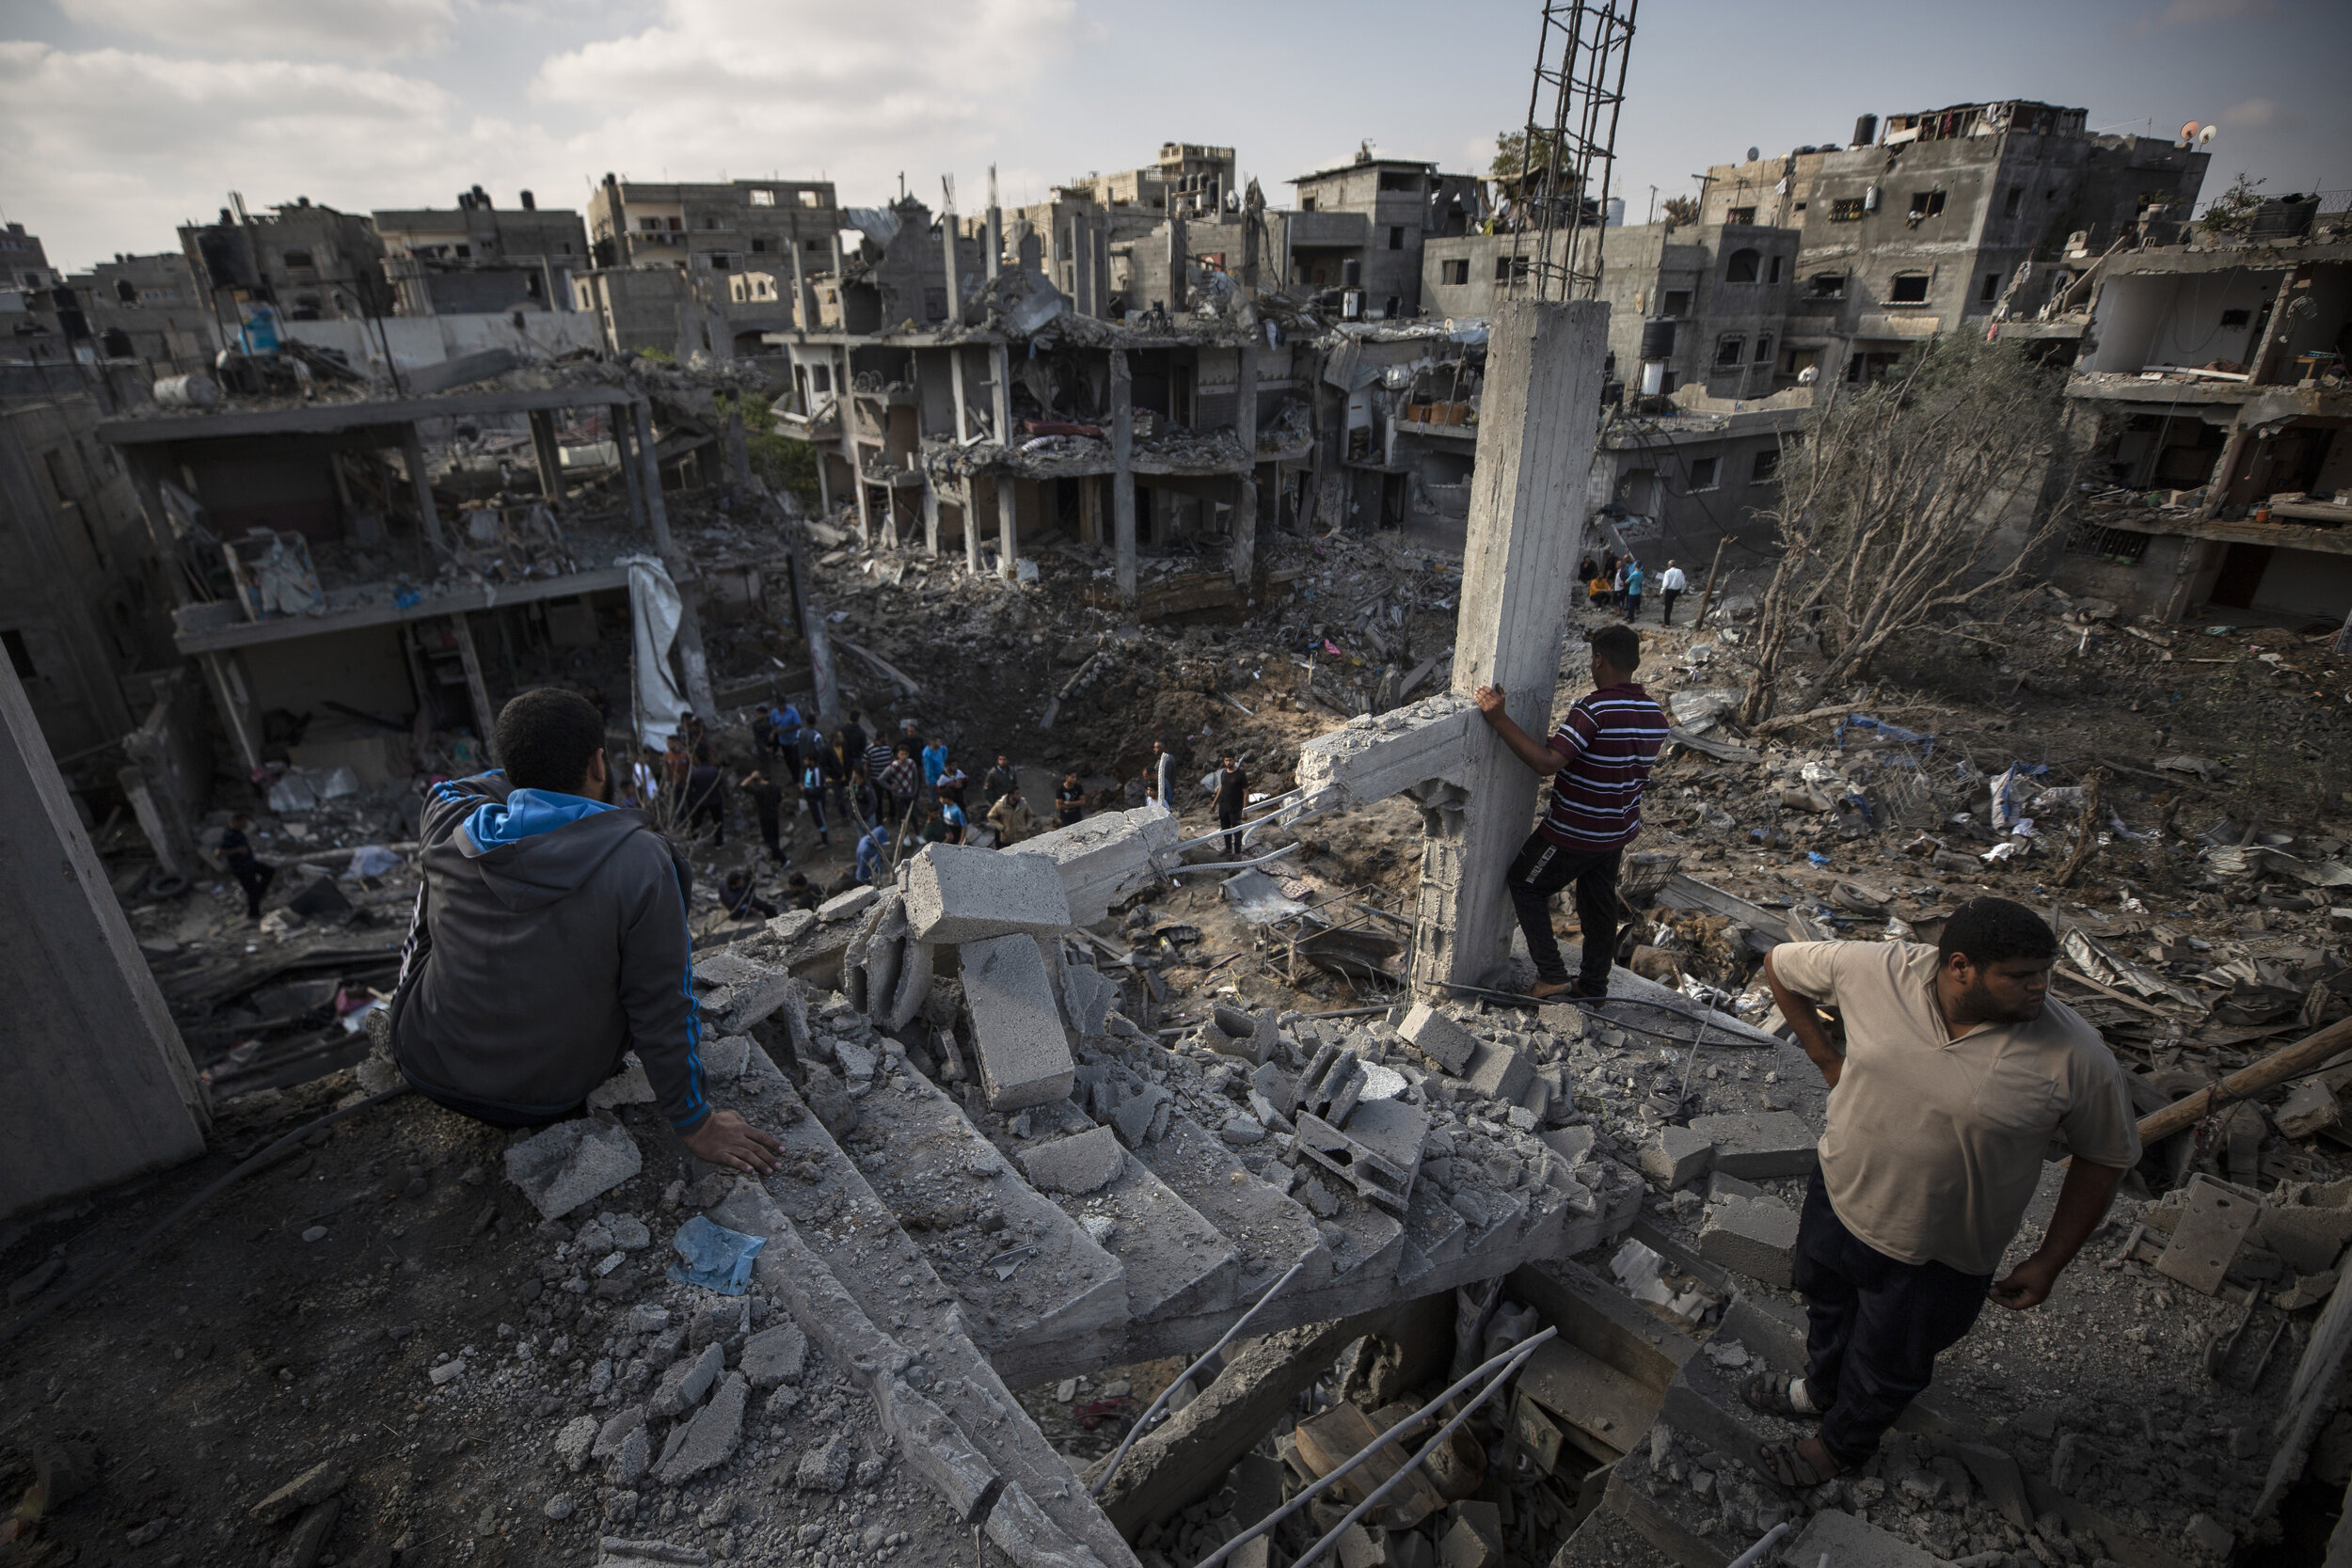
717,1259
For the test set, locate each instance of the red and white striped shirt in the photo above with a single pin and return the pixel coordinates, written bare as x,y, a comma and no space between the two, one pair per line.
1611,739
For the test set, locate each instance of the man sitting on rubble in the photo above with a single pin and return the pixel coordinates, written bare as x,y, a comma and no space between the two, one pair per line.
550,937
1958,1071
1599,759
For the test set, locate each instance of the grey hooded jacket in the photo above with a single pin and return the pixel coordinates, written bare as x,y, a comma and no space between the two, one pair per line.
550,937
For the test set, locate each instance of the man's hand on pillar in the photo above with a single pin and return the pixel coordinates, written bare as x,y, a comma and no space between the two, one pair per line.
730,1143
1489,701
1529,750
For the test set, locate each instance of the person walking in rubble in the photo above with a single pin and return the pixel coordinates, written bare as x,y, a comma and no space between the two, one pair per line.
812,796
767,798
1632,590
1070,801
707,802
1599,760
900,779
1163,775
550,936
934,764
1012,820
236,853
873,853
1000,782
1959,1071
952,782
1670,583
953,822
1231,786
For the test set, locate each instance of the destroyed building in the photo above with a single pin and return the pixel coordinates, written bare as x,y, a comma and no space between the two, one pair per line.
2215,371
480,258
311,262
668,254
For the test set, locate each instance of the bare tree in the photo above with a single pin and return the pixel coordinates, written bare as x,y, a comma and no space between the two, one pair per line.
1899,501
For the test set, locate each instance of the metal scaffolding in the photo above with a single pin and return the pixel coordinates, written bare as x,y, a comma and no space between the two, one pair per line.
1562,201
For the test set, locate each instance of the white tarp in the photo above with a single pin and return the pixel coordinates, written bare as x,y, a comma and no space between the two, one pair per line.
653,615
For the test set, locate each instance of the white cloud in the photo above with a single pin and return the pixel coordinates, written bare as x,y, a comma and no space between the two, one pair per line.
2260,114
272,27
797,86
109,149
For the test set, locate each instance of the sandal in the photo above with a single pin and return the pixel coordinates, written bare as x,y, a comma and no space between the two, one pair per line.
1776,1395
1786,1463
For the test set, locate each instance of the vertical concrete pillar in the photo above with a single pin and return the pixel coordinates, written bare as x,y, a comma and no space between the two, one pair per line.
930,519
235,703
955,390
545,451
1000,391
420,484
1008,527
1178,260
955,275
477,689
1122,475
996,240
1527,512
827,693
625,451
1100,246
1245,492
95,1085
968,503
804,304
692,659
739,452
1090,509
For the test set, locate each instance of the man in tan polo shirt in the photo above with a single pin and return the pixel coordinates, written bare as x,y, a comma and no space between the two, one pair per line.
1959,1071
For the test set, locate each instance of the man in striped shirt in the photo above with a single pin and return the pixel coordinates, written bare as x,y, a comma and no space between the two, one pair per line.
1599,758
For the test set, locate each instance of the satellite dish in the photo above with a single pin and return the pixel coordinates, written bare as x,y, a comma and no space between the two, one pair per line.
2205,137
1754,154
2188,132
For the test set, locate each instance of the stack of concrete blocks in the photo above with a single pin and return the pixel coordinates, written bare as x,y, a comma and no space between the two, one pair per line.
1103,861
1004,915
1373,1145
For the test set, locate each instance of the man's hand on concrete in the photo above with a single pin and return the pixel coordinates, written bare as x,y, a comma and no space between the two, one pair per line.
730,1143
1489,701
2029,1284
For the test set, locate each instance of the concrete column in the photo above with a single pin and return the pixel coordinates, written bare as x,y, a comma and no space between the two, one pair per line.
1099,247
1178,250
955,388
967,504
1090,509
412,454
930,519
692,659
545,452
477,690
803,303
95,1087
1008,527
1000,391
738,453
160,838
818,632
996,240
1245,493
1122,475
624,448
955,277
235,703
1527,512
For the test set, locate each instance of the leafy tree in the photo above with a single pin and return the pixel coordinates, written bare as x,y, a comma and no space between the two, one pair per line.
780,462
2233,211
1680,210
1510,159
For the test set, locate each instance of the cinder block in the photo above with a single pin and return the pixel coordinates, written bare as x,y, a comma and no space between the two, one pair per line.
1501,1072
1076,1164
958,892
1677,1157
1761,1144
1572,1144
571,1162
1437,1036
1754,1236
1016,1023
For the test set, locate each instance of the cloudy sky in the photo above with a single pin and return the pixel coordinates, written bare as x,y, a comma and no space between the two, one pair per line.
121,118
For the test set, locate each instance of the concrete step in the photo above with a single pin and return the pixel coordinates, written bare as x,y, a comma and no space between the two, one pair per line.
1177,1263
836,1216
1271,1231
1038,1293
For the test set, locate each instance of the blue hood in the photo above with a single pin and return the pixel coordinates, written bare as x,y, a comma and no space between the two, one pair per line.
525,813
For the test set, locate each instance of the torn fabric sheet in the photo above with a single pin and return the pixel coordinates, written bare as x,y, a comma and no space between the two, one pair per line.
653,617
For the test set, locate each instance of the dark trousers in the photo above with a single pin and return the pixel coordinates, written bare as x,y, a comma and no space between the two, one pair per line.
816,801
771,829
254,878
1666,597
1633,607
711,809
1229,819
1874,1326
1543,869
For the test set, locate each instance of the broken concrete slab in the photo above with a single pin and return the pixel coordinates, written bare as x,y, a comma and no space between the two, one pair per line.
958,892
712,1436
1499,1072
312,1486
2207,1237
563,1166
847,906
1104,858
1445,1043
1377,1154
1371,757
774,1355
1849,1542
1074,1165
684,1383
1756,1237
1178,1265
1761,1143
913,988
1269,1230
628,1086
1016,1023
2310,1239
1675,1157
1088,997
